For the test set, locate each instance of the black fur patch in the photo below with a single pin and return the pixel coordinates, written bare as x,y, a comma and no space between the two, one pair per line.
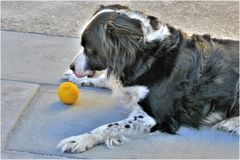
127,126
140,116
110,125
135,118
154,22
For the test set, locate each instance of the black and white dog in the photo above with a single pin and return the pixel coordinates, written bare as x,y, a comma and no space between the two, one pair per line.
167,78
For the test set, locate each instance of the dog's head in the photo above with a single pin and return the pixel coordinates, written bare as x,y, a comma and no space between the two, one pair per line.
113,38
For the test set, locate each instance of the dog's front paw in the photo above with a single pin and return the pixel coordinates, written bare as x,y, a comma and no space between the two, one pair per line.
230,125
67,74
77,144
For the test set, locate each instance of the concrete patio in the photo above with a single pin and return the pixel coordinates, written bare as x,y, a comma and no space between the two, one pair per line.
39,40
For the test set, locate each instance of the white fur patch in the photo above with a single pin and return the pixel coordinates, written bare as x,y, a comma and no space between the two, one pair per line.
67,73
138,16
131,95
149,33
80,61
159,34
229,125
213,118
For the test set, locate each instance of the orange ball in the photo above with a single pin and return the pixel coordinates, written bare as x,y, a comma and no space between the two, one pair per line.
68,93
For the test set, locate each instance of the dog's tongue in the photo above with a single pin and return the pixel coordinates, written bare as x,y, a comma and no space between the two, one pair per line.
78,75
84,74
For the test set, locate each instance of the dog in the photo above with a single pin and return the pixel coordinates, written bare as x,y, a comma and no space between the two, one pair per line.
167,78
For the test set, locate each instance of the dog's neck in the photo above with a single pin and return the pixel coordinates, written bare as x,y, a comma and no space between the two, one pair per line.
150,54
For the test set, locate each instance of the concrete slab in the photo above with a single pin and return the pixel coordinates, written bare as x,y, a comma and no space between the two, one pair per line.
47,121
36,58
15,98
221,19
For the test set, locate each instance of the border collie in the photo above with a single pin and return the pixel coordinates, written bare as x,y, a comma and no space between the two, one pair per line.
165,77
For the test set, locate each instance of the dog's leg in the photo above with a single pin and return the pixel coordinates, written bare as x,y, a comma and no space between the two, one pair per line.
229,125
137,123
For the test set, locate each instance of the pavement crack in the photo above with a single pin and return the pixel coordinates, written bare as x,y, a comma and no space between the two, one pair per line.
22,113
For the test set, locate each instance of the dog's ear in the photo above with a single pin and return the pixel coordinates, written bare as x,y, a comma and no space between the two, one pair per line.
124,37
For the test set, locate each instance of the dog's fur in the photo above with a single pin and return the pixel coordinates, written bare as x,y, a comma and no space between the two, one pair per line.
166,77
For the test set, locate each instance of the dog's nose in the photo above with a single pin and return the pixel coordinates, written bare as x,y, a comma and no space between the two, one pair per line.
72,67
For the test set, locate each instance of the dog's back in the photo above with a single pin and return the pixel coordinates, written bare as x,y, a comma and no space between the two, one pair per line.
231,48
203,84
